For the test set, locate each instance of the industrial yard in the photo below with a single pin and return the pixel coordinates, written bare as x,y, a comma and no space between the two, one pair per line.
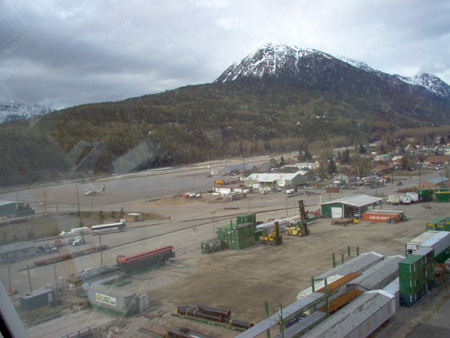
240,281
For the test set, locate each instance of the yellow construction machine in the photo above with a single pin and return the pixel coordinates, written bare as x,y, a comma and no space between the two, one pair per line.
301,228
273,238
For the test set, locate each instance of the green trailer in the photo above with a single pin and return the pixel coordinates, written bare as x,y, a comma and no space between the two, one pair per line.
425,195
442,195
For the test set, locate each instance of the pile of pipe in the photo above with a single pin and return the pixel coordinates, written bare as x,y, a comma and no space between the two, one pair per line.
212,314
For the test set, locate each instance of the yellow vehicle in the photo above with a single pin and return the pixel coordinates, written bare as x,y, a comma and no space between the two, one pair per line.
272,238
300,229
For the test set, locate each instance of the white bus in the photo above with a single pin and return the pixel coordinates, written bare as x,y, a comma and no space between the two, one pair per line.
113,227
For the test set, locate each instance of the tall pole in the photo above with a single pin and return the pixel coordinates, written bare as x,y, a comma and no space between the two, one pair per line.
29,279
92,211
212,219
193,182
45,201
101,252
54,267
56,202
78,201
9,277
287,212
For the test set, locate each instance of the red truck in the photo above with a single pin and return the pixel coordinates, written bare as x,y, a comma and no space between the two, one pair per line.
58,243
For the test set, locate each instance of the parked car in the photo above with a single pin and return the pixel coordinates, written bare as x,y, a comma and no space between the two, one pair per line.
58,243
399,183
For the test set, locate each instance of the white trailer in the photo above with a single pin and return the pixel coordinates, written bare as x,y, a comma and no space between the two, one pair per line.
413,196
393,199
405,199
414,244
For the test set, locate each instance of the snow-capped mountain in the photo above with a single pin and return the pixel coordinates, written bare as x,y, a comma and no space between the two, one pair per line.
280,60
10,111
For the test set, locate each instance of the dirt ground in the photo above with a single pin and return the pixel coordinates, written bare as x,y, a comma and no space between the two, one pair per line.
243,280
240,281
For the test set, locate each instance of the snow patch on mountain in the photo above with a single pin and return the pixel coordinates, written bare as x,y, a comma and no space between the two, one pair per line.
271,58
10,111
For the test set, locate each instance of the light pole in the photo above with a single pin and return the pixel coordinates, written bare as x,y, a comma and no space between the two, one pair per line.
92,211
45,200
212,219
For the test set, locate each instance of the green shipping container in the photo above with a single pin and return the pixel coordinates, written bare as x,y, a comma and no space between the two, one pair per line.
425,195
411,266
411,285
442,195
247,218
432,225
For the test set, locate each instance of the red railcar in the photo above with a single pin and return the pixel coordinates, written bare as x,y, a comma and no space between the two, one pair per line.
146,259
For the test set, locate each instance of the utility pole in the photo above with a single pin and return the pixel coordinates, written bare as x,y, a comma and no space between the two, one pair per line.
101,252
56,202
9,277
29,279
287,212
54,266
45,201
212,219
78,201
92,211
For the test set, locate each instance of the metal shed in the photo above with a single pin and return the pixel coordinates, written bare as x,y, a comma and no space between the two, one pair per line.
348,206
378,276
358,264
16,251
37,299
358,319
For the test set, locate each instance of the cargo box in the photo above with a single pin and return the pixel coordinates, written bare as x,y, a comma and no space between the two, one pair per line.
411,267
411,285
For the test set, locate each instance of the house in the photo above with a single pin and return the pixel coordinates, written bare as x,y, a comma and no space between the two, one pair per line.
383,158
347,177
15,209
238,169
265,167
437,160
380,169
433,183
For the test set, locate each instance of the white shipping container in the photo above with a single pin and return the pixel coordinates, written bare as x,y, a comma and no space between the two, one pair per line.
439,242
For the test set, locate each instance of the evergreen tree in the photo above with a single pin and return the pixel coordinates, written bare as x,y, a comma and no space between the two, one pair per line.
331,168
345,156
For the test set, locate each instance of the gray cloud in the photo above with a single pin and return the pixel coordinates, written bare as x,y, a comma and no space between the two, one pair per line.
93,51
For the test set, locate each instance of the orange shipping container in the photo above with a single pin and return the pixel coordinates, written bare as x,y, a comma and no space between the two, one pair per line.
380,217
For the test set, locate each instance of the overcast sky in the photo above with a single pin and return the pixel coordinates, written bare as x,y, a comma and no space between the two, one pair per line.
65,52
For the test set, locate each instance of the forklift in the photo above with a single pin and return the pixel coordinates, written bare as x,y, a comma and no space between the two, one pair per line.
301,228
273,238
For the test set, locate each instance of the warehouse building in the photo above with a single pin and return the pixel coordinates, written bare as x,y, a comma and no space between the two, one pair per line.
288,181
358,264
16,251
15,209
347,207
378,276
359,319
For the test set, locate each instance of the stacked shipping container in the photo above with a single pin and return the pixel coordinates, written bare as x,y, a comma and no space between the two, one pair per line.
240,235
412,279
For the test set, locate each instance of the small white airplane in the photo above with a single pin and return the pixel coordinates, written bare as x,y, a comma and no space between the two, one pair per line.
94,192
